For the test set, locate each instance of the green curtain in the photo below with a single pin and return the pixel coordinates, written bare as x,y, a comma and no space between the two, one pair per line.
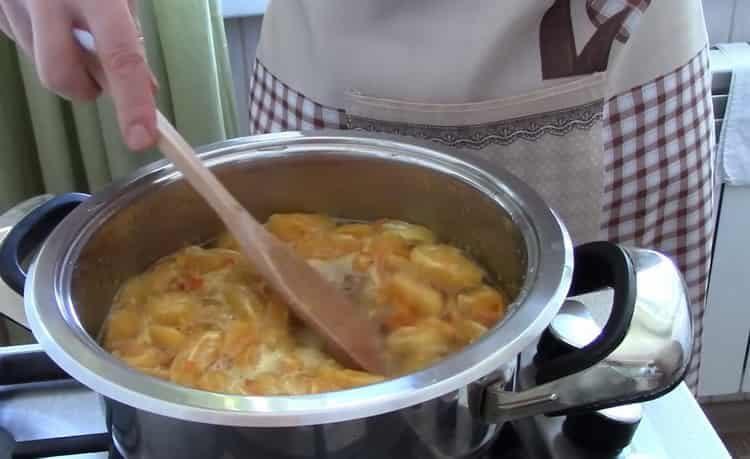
50,145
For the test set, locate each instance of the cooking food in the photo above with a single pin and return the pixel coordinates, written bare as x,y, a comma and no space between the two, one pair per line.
202,318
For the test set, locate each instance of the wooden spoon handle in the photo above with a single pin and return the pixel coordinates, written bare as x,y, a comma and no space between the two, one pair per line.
177,150
250,234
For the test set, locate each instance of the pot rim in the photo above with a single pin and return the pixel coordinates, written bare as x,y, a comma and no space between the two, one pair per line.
53,320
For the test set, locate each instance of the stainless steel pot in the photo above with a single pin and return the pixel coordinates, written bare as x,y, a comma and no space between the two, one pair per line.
452,409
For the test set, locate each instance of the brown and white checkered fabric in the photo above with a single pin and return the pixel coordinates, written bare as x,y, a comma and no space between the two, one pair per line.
659,175
274,107
658,145
599,11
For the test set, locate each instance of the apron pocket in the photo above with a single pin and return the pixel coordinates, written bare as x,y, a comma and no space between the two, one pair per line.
550,138
577,92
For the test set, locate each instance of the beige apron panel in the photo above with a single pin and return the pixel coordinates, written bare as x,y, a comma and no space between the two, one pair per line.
443,51
567,172
558,153
421,50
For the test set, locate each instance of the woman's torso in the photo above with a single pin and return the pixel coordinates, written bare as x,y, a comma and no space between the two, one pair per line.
602,106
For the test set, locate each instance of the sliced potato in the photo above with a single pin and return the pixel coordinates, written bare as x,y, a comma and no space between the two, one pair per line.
134,293
469,331
484,305
295,226
345,378
384,245
358,230
238,337
149,358
362,262
403,289
167,338
214,381
447,267
264,384
242,301
197,260
400,316
123,324
420,345
227,241
410,232
171,308
327,246
189,365
162,277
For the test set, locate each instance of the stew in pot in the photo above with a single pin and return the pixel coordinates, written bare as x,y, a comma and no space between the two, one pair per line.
202,318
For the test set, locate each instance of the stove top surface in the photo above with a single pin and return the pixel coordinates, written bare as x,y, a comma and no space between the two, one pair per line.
72,416
50,418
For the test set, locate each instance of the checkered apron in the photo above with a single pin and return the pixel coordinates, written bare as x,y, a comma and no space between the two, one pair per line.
654,148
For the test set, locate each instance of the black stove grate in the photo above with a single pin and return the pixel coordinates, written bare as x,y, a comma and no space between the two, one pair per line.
54,447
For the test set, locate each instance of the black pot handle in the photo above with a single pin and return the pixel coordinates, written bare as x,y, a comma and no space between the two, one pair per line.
29,233
597,265
598,375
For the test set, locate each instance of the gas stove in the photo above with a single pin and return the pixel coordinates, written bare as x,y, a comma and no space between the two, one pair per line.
43,413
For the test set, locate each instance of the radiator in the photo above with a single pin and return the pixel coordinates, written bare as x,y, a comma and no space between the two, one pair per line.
721,75
725,373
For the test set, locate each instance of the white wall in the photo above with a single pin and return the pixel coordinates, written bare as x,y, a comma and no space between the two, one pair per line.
243,8
242,36
727,20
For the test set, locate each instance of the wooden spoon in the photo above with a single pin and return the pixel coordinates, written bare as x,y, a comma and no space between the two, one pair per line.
352,338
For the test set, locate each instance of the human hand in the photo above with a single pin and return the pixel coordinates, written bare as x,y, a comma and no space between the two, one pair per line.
43,29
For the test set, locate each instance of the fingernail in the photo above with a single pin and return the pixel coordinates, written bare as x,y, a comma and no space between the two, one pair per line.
138,137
